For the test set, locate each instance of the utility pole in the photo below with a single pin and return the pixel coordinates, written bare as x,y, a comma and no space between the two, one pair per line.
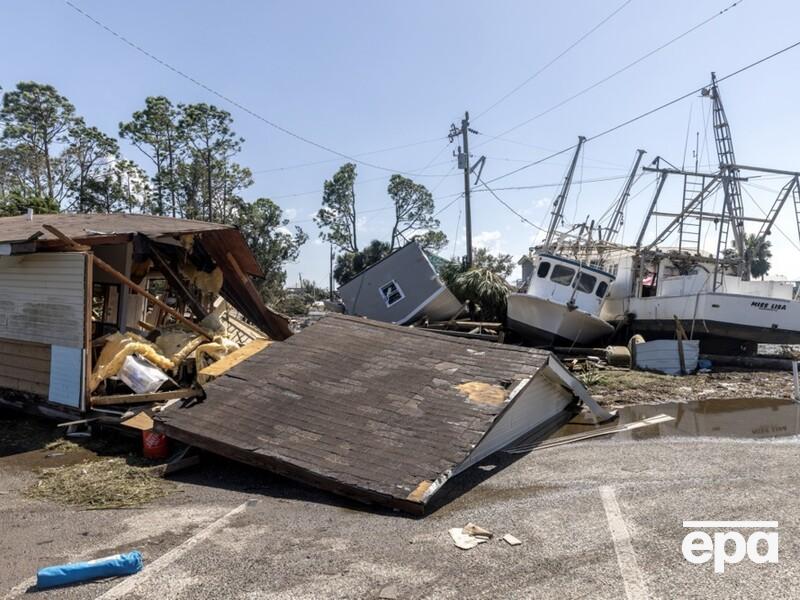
463,164
330,277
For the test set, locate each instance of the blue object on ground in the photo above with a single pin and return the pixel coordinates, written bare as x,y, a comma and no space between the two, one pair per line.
704,363
119,564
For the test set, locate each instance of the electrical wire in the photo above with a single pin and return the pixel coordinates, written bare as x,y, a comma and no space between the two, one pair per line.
651,111
553,60
329,160
508,206
555,184
233,102
623,69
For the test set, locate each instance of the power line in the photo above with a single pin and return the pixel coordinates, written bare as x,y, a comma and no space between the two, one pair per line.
229,100
329,160
556,184
554,60
623,69
651,111
509,207
695,91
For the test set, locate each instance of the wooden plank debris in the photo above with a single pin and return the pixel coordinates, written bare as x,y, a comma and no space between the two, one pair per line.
234,358
143,398
141,421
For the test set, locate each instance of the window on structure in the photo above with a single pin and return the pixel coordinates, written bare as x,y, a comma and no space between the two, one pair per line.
105,304
585,282
562,275
601,289
391,293
543,270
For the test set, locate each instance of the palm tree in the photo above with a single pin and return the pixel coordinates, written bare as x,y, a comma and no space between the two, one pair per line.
758,255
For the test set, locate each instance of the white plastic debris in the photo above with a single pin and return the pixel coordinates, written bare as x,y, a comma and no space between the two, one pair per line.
142,376
469,536
511,540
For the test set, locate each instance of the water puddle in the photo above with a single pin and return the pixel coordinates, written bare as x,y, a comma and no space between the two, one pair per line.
750,418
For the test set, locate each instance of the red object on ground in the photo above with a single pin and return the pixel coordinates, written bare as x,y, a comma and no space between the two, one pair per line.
154,445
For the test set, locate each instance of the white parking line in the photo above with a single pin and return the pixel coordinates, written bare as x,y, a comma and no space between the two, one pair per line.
127,586
626,558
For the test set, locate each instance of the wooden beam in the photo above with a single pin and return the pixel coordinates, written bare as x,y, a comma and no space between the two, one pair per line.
176,283
234,358
152,397
104,266
680,333
66,239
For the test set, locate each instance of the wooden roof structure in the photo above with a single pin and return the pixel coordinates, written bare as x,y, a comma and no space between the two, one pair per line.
100,229
373,411
224,244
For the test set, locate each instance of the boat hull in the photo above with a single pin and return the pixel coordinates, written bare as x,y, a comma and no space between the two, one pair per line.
754,319
544,320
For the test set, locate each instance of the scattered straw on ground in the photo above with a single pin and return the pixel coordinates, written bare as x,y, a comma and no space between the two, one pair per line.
106,483
63,445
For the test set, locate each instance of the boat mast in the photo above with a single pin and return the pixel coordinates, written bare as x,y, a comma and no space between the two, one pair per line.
558,204
732,210
619,209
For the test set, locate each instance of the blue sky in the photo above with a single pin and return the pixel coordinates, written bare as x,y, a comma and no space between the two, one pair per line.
364,76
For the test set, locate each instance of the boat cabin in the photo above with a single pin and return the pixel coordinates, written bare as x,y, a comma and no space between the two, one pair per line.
569,282
663,278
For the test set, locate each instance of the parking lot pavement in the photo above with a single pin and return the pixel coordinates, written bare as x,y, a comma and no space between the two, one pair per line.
599,519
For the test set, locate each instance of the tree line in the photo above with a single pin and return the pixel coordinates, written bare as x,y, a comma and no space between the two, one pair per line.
52,160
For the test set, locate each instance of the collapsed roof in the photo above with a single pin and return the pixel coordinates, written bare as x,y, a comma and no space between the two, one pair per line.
224,244
374,411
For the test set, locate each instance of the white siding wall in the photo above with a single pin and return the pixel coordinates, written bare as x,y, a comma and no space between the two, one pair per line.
42,298
539,401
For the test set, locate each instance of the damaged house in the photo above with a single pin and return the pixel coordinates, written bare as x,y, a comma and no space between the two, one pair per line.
402,288
71,285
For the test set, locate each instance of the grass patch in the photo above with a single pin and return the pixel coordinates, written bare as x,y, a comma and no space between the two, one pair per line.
592,378
99,484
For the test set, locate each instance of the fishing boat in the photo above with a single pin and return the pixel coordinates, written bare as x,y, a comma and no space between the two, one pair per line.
712,293
561,303
562,299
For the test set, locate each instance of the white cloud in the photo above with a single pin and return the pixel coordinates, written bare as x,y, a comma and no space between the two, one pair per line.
290,213
491,240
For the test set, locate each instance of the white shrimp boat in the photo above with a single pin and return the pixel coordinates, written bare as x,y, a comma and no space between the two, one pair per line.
563,296
713,294
562,302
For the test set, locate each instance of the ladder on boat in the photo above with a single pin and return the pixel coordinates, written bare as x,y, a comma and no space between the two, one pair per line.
732,207
691,223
